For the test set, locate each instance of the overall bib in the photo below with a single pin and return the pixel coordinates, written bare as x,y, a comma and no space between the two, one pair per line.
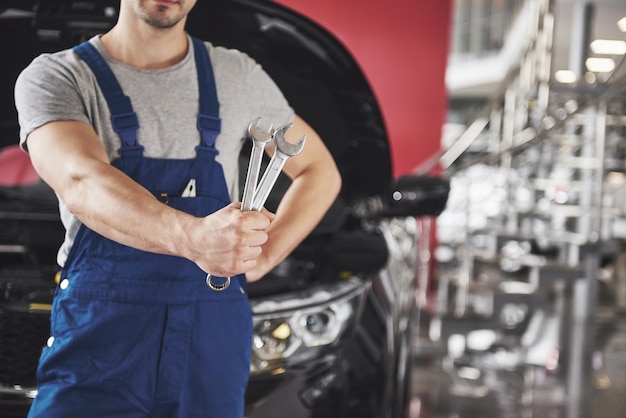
137,334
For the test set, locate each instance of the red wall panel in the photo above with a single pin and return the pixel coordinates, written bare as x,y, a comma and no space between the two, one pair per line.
402,47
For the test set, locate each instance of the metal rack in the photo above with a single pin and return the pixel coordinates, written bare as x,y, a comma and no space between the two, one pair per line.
537,212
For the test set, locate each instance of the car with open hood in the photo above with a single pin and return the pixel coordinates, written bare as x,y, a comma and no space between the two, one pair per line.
332,322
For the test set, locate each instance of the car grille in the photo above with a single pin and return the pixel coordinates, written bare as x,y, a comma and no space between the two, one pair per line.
25,301
23,333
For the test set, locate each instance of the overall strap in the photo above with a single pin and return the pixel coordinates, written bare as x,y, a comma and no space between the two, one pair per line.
123,118
209,122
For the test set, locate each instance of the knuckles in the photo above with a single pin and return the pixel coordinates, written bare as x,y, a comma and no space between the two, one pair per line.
239,243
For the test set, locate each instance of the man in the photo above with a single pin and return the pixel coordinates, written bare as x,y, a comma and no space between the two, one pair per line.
119,127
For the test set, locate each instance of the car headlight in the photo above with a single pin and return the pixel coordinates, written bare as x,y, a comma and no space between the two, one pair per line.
294,328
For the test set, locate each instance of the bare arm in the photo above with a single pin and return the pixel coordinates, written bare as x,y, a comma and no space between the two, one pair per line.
316,182
69,156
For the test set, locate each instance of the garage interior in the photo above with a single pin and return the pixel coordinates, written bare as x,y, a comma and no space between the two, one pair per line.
521,288
526,316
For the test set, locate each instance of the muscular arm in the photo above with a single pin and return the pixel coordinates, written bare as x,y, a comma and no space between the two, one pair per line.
316,183
69,156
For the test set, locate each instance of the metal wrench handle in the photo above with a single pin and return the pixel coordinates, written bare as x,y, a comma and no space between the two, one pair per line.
269,178
259,140
252,177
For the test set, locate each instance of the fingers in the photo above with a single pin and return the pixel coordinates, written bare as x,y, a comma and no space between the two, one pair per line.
229,241
235,262
270,215
264,211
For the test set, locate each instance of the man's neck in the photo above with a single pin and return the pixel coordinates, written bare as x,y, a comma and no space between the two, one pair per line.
146,48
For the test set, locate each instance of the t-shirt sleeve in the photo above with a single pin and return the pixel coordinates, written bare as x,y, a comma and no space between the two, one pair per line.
269,97
47,91
258,90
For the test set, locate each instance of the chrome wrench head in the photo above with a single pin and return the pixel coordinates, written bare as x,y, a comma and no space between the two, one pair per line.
284,150
286,147
260,138
259,135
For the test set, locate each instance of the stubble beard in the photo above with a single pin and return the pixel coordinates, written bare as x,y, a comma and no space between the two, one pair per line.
159,18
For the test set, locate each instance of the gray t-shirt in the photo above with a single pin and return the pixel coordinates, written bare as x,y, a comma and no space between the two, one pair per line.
60,86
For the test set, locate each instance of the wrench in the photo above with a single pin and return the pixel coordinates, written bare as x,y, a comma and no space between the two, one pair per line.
260,139
284,150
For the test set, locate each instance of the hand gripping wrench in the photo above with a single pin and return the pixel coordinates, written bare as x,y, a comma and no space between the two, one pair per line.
283,151
255,197
260,139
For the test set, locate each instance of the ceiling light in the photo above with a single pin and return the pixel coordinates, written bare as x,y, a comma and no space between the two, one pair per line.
621,24
600,65
608,47
565,76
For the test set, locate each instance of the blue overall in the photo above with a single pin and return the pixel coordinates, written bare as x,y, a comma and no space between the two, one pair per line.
137,334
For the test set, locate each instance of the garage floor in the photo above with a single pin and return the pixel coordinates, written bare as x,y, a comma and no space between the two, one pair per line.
481,389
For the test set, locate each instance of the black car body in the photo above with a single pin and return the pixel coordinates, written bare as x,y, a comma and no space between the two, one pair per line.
333,321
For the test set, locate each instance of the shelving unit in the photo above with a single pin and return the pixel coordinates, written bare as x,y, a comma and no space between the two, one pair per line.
536,220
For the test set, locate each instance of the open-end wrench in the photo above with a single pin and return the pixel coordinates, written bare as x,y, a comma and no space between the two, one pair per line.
260,138
284,150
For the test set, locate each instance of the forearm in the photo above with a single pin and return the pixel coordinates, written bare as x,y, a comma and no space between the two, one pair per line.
296,217
112,204
70,158
302,207
224,243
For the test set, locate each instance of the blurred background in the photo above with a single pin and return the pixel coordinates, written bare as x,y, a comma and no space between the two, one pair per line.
526,317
